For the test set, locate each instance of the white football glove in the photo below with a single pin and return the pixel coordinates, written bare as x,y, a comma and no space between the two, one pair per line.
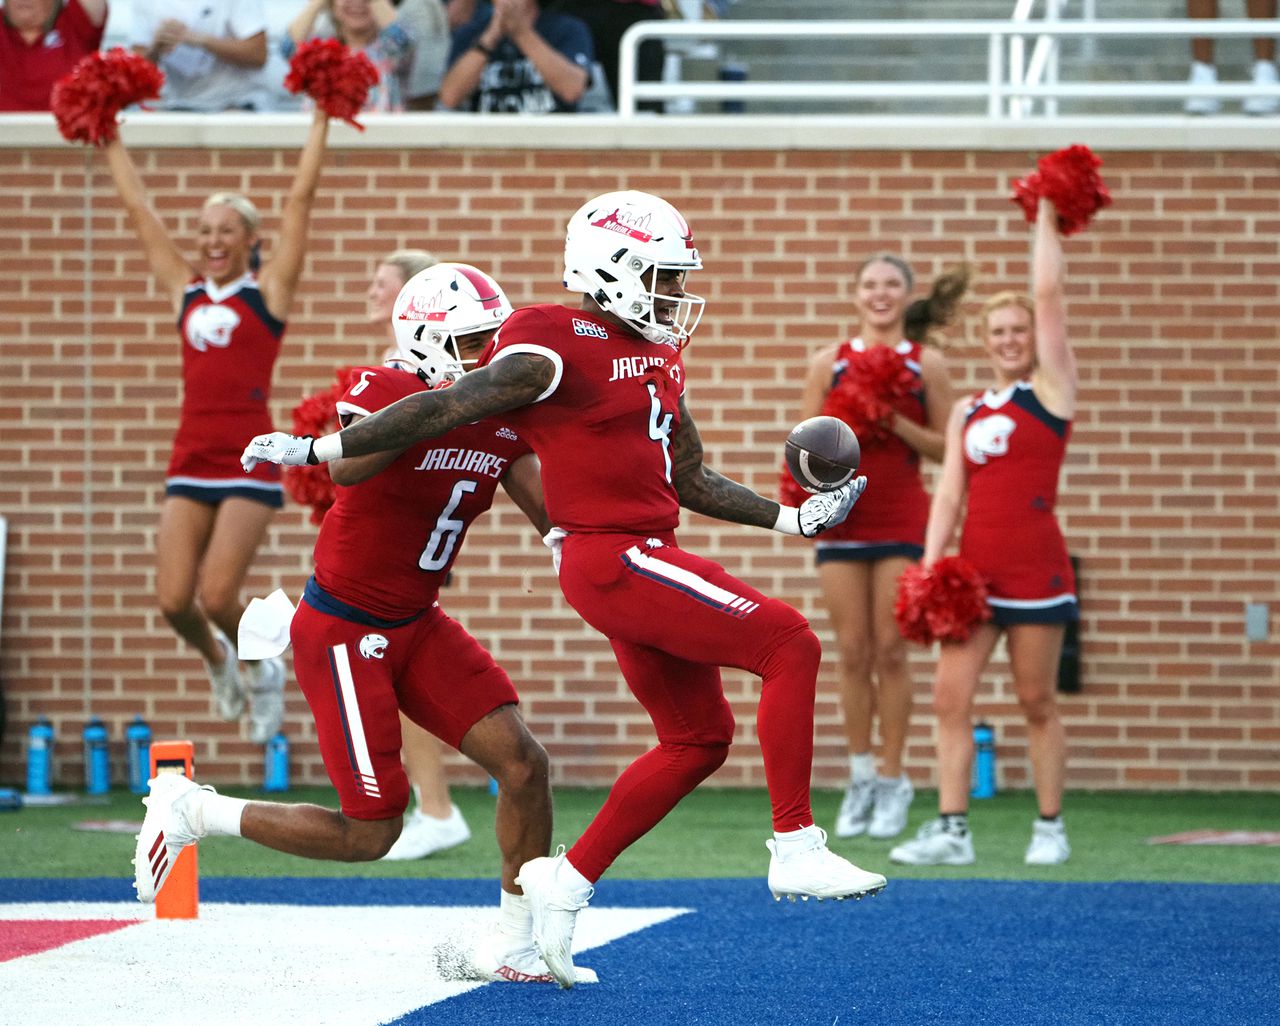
553,540
820,511
277,447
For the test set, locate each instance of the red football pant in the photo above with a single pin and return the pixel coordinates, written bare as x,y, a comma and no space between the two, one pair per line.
674,619
357,679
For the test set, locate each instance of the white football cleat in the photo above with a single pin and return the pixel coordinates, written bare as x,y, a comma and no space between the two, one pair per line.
173,821
424,835
1048,845
228,689
266,699
809,869
555,911
499,958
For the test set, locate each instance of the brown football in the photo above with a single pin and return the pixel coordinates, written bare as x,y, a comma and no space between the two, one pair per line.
822,453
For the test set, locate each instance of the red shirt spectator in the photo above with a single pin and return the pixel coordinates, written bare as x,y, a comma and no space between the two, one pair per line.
42,40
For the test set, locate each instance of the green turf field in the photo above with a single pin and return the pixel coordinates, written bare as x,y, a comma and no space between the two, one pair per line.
719,833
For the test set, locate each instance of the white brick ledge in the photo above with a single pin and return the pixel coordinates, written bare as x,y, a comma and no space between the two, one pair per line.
589,132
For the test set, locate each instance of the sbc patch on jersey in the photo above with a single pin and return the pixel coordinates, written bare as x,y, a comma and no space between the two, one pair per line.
581,327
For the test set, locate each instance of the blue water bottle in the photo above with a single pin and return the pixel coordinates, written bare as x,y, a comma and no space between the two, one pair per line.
40,757
275,776
97,758
984,762
137,737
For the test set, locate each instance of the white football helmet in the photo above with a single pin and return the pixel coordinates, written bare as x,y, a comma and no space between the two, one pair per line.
614,247
437,305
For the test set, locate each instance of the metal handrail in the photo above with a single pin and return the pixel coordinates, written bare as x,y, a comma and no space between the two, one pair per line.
997,89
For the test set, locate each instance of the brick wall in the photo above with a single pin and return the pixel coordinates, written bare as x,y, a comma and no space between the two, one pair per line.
1169,496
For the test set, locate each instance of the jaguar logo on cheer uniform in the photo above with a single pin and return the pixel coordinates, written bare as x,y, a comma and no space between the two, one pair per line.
211,326
988,438
373,646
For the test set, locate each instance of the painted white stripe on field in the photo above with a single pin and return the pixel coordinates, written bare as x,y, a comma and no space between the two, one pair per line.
237,964
355,725
679,575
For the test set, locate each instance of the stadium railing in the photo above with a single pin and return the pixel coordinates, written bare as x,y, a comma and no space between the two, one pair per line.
1003,92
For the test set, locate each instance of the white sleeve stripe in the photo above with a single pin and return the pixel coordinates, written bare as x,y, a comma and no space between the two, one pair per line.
349,408
550,354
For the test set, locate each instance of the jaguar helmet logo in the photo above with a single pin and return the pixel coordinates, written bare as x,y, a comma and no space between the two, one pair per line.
372,646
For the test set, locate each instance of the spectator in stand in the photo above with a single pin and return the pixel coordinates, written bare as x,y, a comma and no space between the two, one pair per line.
428,23
40,41
373,26
608,20
212,52
514,57
1205,73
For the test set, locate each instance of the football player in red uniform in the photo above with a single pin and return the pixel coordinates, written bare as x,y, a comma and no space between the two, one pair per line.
370,640
231,321
599,394
1005,448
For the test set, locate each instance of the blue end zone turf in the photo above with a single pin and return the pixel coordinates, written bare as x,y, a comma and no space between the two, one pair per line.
947,952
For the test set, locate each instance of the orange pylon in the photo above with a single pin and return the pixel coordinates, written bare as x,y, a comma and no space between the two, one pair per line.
179,898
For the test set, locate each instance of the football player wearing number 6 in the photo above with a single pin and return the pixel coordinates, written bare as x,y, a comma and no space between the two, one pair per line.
599,394
370,639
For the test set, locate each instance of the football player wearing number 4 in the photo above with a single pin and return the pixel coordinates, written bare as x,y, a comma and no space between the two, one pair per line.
370,639
599,393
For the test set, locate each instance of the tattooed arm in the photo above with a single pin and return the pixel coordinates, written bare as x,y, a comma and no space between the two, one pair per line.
703,490
505,384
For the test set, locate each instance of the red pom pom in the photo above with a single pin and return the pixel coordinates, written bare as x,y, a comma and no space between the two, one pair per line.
86,100
316,415
943,603
335,76
1069,179
867,391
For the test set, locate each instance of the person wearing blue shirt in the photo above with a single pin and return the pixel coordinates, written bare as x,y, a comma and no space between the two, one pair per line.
514,57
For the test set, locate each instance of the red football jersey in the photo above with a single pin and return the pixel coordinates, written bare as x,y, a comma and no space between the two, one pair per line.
895,506
603,428
1013,452
230,345
387,543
